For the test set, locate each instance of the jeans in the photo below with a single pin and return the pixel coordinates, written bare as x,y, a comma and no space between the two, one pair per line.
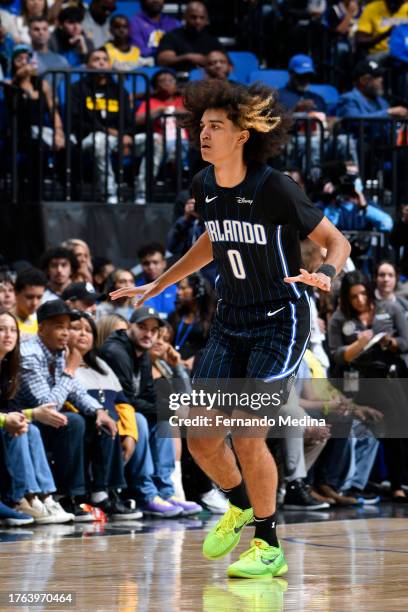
27,464
103,455
148,471
102,145
66,445
363,451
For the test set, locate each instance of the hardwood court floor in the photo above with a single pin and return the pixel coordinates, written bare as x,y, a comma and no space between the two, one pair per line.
340,565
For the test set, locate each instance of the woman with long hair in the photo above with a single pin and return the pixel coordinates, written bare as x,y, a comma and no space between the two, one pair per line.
109,324
107,456
119,278
192,318
31,481
367,341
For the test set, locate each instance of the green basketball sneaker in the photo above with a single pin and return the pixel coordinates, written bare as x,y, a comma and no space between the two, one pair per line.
259,561
226,534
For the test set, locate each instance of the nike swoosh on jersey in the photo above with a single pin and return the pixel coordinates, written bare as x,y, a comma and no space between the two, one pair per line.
270,314
208,200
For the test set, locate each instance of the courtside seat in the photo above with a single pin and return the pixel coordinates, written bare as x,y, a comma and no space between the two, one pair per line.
272,78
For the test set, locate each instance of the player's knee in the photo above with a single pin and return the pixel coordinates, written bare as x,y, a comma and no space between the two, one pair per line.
246,448
202,448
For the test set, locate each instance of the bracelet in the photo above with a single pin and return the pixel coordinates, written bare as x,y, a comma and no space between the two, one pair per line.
328,270
29,413
3,418
326,409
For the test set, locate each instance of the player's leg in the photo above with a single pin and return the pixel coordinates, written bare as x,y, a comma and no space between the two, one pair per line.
223,358
275,357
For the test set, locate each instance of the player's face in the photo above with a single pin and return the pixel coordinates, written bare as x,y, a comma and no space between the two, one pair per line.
220,139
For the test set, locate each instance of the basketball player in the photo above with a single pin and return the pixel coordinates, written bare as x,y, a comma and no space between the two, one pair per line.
254,218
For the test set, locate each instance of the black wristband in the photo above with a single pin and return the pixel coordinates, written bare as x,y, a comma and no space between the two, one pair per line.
328,270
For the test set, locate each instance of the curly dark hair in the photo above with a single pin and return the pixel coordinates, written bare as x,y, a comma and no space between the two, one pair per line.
252,108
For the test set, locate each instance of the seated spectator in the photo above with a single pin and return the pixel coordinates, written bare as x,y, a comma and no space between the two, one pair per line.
165,100
31,481
109,324
148,27
375,25
83,254
153,262
366,98
166,367
59,265
7,292
18,25
82,297
124,307
192,318
96,126
47,375
296,95
218,65
386,281
29,288
33,98
351,328
186,47
97,378
102,269
69,39
122,54
96,21
399,240
44,58
149,470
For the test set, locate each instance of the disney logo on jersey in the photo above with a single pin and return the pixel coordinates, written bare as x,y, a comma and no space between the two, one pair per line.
243,200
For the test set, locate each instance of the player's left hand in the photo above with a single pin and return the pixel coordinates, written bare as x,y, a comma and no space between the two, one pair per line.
315,279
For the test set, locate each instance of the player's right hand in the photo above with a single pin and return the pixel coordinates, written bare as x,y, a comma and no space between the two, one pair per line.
143,293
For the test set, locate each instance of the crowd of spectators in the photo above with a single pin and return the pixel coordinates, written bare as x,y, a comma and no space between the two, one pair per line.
361,51
78,373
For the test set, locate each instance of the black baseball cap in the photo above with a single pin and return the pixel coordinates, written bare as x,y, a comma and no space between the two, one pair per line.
370,67
146,312
54,308
81,291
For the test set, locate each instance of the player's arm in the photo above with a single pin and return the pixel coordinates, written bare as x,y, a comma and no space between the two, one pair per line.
338,248
196,258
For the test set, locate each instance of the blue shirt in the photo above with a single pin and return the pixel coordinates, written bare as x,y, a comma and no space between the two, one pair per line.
355,104
42,380
165,302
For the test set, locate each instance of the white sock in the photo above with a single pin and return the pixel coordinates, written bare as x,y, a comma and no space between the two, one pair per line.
99,496
178,482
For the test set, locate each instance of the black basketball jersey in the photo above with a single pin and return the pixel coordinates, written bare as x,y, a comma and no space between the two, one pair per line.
255,230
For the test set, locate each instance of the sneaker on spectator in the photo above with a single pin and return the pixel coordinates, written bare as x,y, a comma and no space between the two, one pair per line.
72,507
56,511
36,509
112,199
362,496
13,518
140,199
116,510
189,507
160,507
215,501
298,497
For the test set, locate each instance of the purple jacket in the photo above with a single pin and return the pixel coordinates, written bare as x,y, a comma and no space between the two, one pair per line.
147,34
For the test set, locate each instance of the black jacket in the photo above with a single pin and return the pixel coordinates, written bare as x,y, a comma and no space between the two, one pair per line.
134,373
95,108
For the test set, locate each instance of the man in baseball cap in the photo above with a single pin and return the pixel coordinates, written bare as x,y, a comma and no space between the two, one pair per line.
296,95
366,98
126,351
81,296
